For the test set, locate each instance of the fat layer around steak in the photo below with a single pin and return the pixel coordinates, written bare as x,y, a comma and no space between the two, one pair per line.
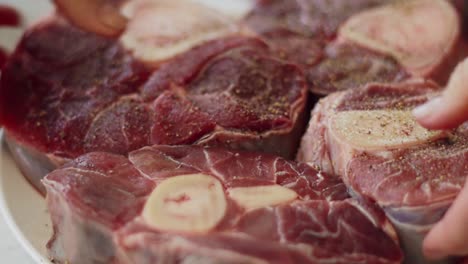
100,202
65,92
412,173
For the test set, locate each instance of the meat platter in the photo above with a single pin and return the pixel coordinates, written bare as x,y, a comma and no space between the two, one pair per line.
231,132
33,235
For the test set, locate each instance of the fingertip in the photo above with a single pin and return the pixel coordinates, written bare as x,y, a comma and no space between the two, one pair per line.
432,243
422,112
440,114
110,17
428,114
97,16
451,109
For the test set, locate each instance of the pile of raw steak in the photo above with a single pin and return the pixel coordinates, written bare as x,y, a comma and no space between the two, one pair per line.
173,141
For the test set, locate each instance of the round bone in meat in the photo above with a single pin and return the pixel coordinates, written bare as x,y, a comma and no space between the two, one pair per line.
380,129
187,203
413,174
97,224
160,29
420,34
256,197
66,92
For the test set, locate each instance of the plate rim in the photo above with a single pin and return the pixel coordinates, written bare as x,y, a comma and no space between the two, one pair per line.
7,214
25,242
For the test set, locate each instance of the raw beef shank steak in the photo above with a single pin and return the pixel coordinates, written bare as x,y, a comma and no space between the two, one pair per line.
346,44
193,204
65,92
347,66
421,35
368,137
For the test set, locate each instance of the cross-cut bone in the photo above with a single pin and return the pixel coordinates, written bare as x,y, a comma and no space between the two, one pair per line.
251,198
380,129
187,203
418,33
160,29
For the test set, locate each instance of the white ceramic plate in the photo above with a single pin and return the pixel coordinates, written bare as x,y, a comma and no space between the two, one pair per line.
22,207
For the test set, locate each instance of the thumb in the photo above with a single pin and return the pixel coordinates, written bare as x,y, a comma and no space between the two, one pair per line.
451,109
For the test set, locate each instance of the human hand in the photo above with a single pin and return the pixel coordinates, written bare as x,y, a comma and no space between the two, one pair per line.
449,237
451,109
99,16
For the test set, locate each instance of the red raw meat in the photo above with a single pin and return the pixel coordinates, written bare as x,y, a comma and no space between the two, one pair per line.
412,173
345,44
3,57
9,16
96,204
303,32
310,18
348,66
66,92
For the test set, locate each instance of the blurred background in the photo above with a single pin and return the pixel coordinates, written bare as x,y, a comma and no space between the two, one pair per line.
31,11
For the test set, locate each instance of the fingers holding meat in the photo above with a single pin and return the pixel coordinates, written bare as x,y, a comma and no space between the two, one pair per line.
99,16
451,109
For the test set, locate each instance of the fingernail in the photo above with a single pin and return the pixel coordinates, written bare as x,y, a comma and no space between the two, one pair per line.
426,110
